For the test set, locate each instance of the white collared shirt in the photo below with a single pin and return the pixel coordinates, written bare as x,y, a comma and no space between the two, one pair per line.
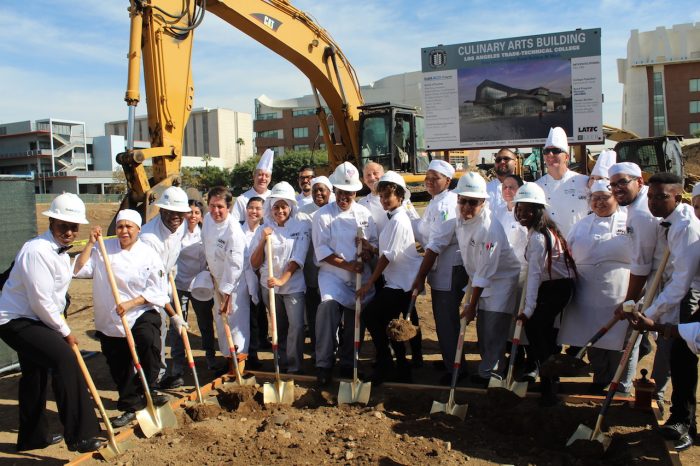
163,241
304,200
567,198
137,272
374,204
646,236
191,260
37,285
493,189
684,245
398,245
238,210
224,248
690,332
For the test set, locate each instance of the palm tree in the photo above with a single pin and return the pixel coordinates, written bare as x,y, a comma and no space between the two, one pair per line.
207,159
239,142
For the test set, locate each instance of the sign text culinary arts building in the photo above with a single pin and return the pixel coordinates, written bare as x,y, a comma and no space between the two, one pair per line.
509,92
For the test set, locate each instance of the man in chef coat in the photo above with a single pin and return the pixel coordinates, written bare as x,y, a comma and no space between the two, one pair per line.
261,180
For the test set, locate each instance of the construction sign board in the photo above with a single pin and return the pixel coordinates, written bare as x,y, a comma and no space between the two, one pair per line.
509,92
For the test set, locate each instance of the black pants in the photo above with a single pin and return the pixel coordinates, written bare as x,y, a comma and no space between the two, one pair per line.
146,331
39,349
684,366
312,300
258,326
388,304
552,296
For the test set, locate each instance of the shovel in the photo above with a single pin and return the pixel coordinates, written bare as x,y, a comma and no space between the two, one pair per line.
508,391
232,349
111,449
356,391
586,439
451,407
151,419
565,365
401,328
280,392
186,341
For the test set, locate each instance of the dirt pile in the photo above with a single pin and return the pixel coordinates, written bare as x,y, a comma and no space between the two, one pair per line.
401,330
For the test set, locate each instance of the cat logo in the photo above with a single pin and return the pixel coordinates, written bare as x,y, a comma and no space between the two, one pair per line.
267,21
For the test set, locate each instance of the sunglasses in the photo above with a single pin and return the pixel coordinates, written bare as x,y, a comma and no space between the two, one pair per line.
552,150
471,202
503,159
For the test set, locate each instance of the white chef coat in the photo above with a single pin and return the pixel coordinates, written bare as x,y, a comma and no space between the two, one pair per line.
304,200
238,210
647,237
602,252
334,232
567,198
398,245
493,189
163,241
224,248
684,244
250,276
515,232
37,285
191,260
690,332
436,231
489,261
374,204
137,272
290,243
537,269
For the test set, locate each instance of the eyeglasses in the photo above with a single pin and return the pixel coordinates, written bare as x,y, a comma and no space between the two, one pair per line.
552,151
621,183
503,159
471,202
305,177
601,198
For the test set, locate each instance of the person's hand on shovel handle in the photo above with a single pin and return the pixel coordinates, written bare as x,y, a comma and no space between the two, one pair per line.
226,305
468,312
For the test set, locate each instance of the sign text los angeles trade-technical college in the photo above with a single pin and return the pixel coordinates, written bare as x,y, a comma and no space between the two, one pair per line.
509,92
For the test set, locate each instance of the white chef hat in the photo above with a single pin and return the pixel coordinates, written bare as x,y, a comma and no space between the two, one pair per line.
442,167
625,168
606,159
265,163
129,215
600,186
323,180
557,138
696,189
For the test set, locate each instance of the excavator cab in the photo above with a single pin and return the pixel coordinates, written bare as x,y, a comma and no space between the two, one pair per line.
653,155
393,136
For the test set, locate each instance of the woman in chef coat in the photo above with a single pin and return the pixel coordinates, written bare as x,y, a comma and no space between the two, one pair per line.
289,234
224,248
600,247
504,212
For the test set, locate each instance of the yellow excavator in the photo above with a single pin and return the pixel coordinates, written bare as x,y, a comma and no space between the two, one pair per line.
162,33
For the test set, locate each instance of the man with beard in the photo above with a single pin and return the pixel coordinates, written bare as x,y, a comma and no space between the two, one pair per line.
304,197
504,165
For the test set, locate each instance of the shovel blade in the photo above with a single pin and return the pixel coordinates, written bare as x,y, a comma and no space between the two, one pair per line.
564,365
163,416
109,451
453,409
278,392
244,381
354,392
584,442
519,388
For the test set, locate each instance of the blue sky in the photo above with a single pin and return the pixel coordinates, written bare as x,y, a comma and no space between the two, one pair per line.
67,59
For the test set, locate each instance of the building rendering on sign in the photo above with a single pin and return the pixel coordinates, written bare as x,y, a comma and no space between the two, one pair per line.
497,99
225,136
661,79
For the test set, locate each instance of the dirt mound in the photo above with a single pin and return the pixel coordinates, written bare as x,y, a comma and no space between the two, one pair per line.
233,397
401,330
199,412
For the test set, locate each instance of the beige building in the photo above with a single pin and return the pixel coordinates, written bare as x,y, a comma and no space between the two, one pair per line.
225,135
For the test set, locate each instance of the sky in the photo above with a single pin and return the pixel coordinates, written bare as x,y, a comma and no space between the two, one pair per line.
67,59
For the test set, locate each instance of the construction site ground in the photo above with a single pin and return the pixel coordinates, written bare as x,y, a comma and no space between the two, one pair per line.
394,428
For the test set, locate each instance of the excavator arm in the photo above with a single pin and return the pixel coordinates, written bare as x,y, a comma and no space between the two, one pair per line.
162,33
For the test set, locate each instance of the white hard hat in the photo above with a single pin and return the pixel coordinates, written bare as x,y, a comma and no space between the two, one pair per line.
532,193
202,286
283,190
696,189
67,207
346,177
393,177
174,199
471,184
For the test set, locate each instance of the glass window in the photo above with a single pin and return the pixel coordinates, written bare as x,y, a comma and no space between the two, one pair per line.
695,85
695,106
695,129
303,112
301,147
301,132
273,133
267,116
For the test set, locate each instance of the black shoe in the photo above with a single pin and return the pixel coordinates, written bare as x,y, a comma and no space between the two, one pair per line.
220,371
446,379
124,419
323,377
596,389
403,373
159,399
673,430
683,443
84,446
253,363
265,344
476,379
417,361
170,382
548,400
53,440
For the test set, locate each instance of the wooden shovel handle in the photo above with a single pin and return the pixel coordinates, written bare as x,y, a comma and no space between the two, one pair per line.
178,310
271,290
93,390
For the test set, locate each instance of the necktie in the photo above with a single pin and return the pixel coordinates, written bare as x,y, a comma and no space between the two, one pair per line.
63,249
666,226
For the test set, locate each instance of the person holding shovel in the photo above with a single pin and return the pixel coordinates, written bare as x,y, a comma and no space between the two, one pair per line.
683,227
494,270
334,235
398,259
550,280
600,246
143,286
32,324
258,314
224,248
290,237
